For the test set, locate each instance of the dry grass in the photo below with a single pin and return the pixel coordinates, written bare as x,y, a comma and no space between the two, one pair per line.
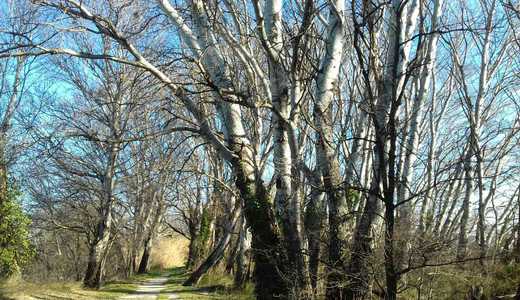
169,253
22,290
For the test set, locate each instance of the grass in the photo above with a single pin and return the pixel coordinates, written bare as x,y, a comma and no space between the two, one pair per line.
213,285
454,282
65,290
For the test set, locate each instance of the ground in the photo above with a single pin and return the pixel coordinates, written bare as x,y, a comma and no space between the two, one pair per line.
160,285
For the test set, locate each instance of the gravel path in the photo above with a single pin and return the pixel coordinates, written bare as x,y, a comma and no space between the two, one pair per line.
150,290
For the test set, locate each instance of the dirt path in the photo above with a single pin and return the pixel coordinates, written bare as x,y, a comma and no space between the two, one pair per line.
151,289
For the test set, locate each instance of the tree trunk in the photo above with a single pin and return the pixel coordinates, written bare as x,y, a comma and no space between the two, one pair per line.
464,219
214,257
361,250
240,266
463,235
192,253
194,228
131,265
267,250
96,264
328,165
287,201
392,276
99,248
218,252
143,265
314,214
152,231
143,215
266,246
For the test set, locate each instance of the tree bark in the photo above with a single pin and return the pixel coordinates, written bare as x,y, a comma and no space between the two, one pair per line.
314,214
99,248
287,200
328,164
218,252
361,249
266,245
464,219
143,264
96,261
240,266
158,196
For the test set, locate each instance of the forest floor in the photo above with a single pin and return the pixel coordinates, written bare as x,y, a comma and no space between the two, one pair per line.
160,285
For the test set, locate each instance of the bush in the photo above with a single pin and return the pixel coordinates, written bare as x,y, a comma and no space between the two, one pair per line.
15,247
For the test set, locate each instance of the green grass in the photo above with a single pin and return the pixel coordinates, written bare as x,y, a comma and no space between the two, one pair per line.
65,290
212,286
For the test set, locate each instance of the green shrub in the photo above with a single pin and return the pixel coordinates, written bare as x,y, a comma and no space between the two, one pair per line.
15,247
